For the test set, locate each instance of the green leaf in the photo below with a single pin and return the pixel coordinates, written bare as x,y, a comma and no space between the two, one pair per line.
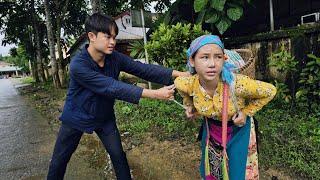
218,4
199,5
235,13
223,25
212,16
310,63
312,56
167,18
300,93
200,17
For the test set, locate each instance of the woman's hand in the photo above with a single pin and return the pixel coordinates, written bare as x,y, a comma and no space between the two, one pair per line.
239,119
191,112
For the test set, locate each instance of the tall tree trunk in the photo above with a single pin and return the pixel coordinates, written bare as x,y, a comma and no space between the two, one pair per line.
55,75
34,71
59,20
96,6
60,53
45,68
31,68
39,56
30,47
37,42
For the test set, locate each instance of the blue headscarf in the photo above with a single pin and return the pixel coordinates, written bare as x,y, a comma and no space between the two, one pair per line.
226,72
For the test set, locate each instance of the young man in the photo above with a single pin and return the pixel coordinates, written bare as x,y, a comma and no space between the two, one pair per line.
93,88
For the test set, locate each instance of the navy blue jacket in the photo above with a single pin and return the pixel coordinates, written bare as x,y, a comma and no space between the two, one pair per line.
93,90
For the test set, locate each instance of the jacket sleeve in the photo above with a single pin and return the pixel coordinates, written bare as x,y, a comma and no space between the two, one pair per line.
149,72
98,83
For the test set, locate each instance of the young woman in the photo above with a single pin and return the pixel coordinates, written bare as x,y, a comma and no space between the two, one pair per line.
203,94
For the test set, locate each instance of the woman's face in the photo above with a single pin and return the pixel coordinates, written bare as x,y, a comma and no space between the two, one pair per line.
208,62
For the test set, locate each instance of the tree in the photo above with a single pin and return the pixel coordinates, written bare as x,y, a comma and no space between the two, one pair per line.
70,18
61,8
17,29
216,15
36,27
55,75
145,4
96,6
67,23
67,18
18,57
114,7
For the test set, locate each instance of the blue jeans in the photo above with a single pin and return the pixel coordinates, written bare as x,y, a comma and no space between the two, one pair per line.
67,142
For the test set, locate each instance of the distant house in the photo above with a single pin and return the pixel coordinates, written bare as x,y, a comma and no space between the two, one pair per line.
9,70
127,34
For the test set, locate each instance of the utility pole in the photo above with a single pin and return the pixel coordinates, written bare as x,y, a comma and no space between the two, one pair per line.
145,41
271,15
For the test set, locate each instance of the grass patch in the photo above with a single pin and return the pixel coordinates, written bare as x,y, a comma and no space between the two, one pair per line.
27,80
290,139
164,119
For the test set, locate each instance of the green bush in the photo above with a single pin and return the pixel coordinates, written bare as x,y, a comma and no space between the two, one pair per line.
283,92
136,49
290,140
168,44
287,64
309,90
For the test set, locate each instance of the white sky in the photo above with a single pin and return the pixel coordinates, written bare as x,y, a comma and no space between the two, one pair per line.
4,50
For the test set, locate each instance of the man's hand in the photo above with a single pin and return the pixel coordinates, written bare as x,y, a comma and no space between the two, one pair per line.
239,119
164,93
180,73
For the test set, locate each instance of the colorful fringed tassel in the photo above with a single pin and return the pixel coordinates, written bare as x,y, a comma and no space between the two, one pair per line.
224,167
224,164
206,160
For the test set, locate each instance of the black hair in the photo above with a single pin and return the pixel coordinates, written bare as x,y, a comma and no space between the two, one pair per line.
98,22
194,54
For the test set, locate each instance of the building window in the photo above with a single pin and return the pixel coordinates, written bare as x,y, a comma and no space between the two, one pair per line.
128,20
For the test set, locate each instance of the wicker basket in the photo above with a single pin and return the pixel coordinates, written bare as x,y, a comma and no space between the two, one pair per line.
249,68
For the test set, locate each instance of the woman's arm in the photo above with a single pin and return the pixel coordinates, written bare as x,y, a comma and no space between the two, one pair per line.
184,87
257,92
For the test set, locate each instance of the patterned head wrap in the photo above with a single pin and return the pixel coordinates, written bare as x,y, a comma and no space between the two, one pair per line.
226,73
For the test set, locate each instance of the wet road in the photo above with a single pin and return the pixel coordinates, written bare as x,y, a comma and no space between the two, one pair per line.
26,140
